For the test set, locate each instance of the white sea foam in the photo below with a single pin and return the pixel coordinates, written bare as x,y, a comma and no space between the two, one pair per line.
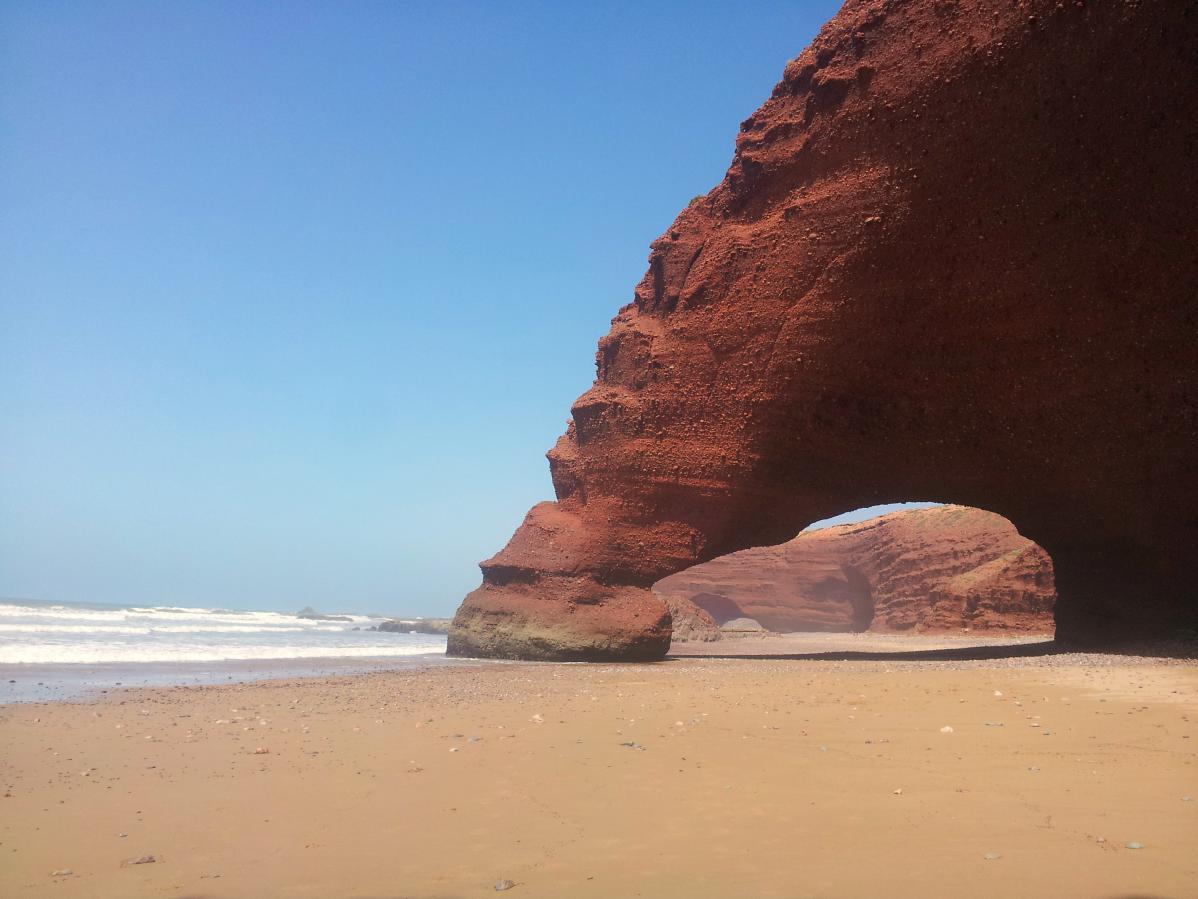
153,629
165,615
67,635
91,652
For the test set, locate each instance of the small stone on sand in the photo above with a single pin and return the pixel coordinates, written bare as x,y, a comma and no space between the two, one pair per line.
502,885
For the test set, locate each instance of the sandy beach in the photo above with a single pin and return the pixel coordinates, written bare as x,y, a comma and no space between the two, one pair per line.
589,451
694,777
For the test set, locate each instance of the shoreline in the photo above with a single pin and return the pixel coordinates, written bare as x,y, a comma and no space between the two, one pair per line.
40,682
36,682
22,682
693,777
56,682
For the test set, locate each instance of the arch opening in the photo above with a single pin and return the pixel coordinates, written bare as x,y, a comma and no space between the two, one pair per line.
915,568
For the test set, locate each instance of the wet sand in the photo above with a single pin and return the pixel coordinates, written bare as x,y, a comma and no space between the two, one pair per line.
40,682
744,778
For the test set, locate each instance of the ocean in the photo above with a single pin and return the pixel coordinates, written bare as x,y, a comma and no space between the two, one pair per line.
73,648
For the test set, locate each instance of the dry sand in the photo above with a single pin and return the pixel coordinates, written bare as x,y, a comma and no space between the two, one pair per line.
856,644
746,778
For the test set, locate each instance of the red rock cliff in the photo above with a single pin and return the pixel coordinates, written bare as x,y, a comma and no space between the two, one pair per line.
944,568
955,256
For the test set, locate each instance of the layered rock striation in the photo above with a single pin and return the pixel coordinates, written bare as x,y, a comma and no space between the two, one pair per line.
954,256
939,569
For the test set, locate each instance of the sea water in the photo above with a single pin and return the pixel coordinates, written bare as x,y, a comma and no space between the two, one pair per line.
55,650
67,634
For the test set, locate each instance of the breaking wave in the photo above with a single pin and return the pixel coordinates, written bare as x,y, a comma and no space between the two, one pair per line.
62,634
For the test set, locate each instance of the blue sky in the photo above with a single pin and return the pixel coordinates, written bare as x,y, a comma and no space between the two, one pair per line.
294,297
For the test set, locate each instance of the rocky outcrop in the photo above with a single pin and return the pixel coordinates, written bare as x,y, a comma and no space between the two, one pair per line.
741,627
938,569
310,614
416,625
955,257
689,623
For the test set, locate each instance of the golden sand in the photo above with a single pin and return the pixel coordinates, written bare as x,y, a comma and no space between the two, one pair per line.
744,778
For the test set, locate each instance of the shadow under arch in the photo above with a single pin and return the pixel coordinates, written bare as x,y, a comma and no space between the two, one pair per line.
979,653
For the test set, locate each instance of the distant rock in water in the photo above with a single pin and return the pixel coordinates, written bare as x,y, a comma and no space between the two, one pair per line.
419,625
938,569
311,614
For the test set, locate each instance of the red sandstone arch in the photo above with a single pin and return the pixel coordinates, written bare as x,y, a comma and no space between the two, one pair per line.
941,569
955,255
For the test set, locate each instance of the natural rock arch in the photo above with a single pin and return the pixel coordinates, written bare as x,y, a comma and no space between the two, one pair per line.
955,255
943,568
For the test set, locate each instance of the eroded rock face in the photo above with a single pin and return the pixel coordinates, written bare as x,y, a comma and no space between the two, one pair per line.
689,622
954,257
938,569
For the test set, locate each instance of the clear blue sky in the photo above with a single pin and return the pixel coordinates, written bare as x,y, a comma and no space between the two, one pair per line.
295,296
